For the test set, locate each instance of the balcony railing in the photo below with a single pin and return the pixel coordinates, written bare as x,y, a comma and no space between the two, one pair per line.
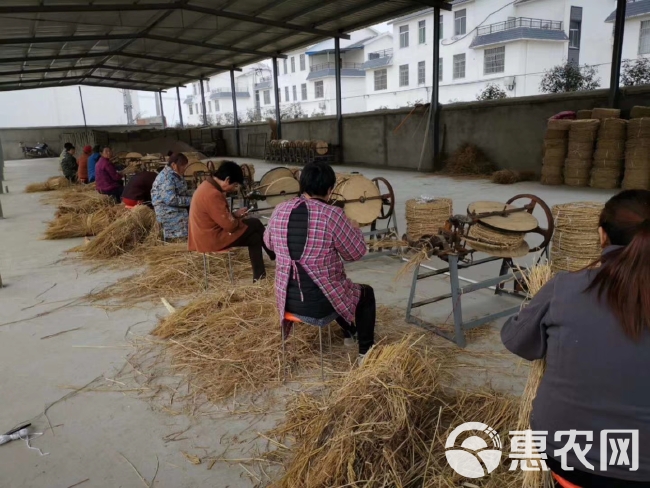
238,89
262,80
323,66
519,22
386,53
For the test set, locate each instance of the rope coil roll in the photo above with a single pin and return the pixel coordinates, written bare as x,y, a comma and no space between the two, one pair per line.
426,217
576,242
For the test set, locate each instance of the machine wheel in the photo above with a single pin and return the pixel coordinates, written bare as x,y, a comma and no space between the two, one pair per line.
388,198
545,231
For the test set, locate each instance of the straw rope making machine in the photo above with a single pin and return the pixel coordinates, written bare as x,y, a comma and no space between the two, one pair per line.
496,229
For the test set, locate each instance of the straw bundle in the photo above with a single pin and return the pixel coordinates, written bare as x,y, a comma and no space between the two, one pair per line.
554,149
552,134
584,130
612,129
82,203
605,178
576,242
69,225
637,155
608,164
577,167
468,159
636,179
426,218
584,114
605,113
385,424
535,278
505,177
638,128
559,124
638,112
123,235
550,179
610,151
54,183
496,239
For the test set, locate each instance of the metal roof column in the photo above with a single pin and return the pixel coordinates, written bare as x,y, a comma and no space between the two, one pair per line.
277,98
617,54
162,110
205,112
235,119
435,89
339,105
83,110
180,107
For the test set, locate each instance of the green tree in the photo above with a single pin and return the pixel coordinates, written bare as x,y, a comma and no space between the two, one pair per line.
569,77
635,72
492,92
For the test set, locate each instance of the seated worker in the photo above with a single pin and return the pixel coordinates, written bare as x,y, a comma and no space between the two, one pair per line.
69,165
593,328
92,162
82,162
213,227
66,147
312,239
108,179
171,198
138,190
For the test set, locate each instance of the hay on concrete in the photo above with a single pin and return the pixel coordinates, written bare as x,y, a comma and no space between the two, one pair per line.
74,202
54,183
385,424
69,225
508,177
468,159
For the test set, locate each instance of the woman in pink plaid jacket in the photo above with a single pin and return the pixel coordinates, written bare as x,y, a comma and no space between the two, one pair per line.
311,240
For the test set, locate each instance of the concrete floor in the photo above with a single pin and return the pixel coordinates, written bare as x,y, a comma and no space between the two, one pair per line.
94,429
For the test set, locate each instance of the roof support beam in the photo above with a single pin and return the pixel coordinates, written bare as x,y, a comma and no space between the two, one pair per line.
58,85
218,47
70,78
89,67
441,4
165,6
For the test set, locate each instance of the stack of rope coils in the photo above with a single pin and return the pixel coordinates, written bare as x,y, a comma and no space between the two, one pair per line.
576,243
609,157
426,217
637,155
555,150
580,154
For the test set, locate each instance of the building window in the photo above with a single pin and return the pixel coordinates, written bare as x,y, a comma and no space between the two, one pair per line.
210,107
267,97
216,106
302,62
303,90
196,106
293,64
460,19
404,36
191,111
421,73
459,66
295,93
286,93
284,61
422,31
494,60
318,88
442,25
644,38
194,88
440,65
207,85
574,34
404,75
381,79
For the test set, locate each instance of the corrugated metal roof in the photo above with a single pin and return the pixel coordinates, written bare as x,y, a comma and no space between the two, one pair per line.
518,34
158,44
634,9
328,46
345,72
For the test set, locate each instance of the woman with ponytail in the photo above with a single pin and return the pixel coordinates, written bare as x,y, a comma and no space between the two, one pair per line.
593,328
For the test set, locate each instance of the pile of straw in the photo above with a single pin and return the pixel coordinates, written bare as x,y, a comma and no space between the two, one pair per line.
426,217
576,243
508,177
637,155
582,136
610,154
69,225
130,230
555,150
468,159
639,111
605,113
82,202
584,114
54,183
385,424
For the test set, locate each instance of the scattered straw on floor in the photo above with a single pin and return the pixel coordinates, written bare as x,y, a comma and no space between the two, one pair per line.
385,424
54,183
468,159
508,177
69,225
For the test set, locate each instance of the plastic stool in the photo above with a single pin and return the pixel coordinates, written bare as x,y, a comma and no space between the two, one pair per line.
206,266
292,318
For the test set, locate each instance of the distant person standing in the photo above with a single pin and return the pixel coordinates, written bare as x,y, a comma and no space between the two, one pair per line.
66,148
92,162
69,165
82,162
108,179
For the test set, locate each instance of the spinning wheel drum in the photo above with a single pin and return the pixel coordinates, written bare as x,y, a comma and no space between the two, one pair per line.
281,190
195,168
274,175
547,231
360,197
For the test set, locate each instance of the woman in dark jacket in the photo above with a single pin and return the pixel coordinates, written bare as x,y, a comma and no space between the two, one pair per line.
593,328
69,165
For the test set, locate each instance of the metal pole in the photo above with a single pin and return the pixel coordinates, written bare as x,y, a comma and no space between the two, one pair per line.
435,89
162,110
277,97
339,105
83,110
180,108
234,109
617,54
205,113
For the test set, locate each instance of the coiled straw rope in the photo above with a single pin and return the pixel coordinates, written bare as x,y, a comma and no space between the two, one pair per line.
425,218
576,243
497,239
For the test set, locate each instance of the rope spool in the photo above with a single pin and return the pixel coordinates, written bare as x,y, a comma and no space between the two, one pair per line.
559,124
247,168
321,147
639,111
497,242
553,180
636,179
580,150
576,242
552,170
555,149
426,218
612,129
638,128
195,168
605,113
552,134
610,149
281,190
577,182
584,114
611,164
349,190
285,143
275,174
